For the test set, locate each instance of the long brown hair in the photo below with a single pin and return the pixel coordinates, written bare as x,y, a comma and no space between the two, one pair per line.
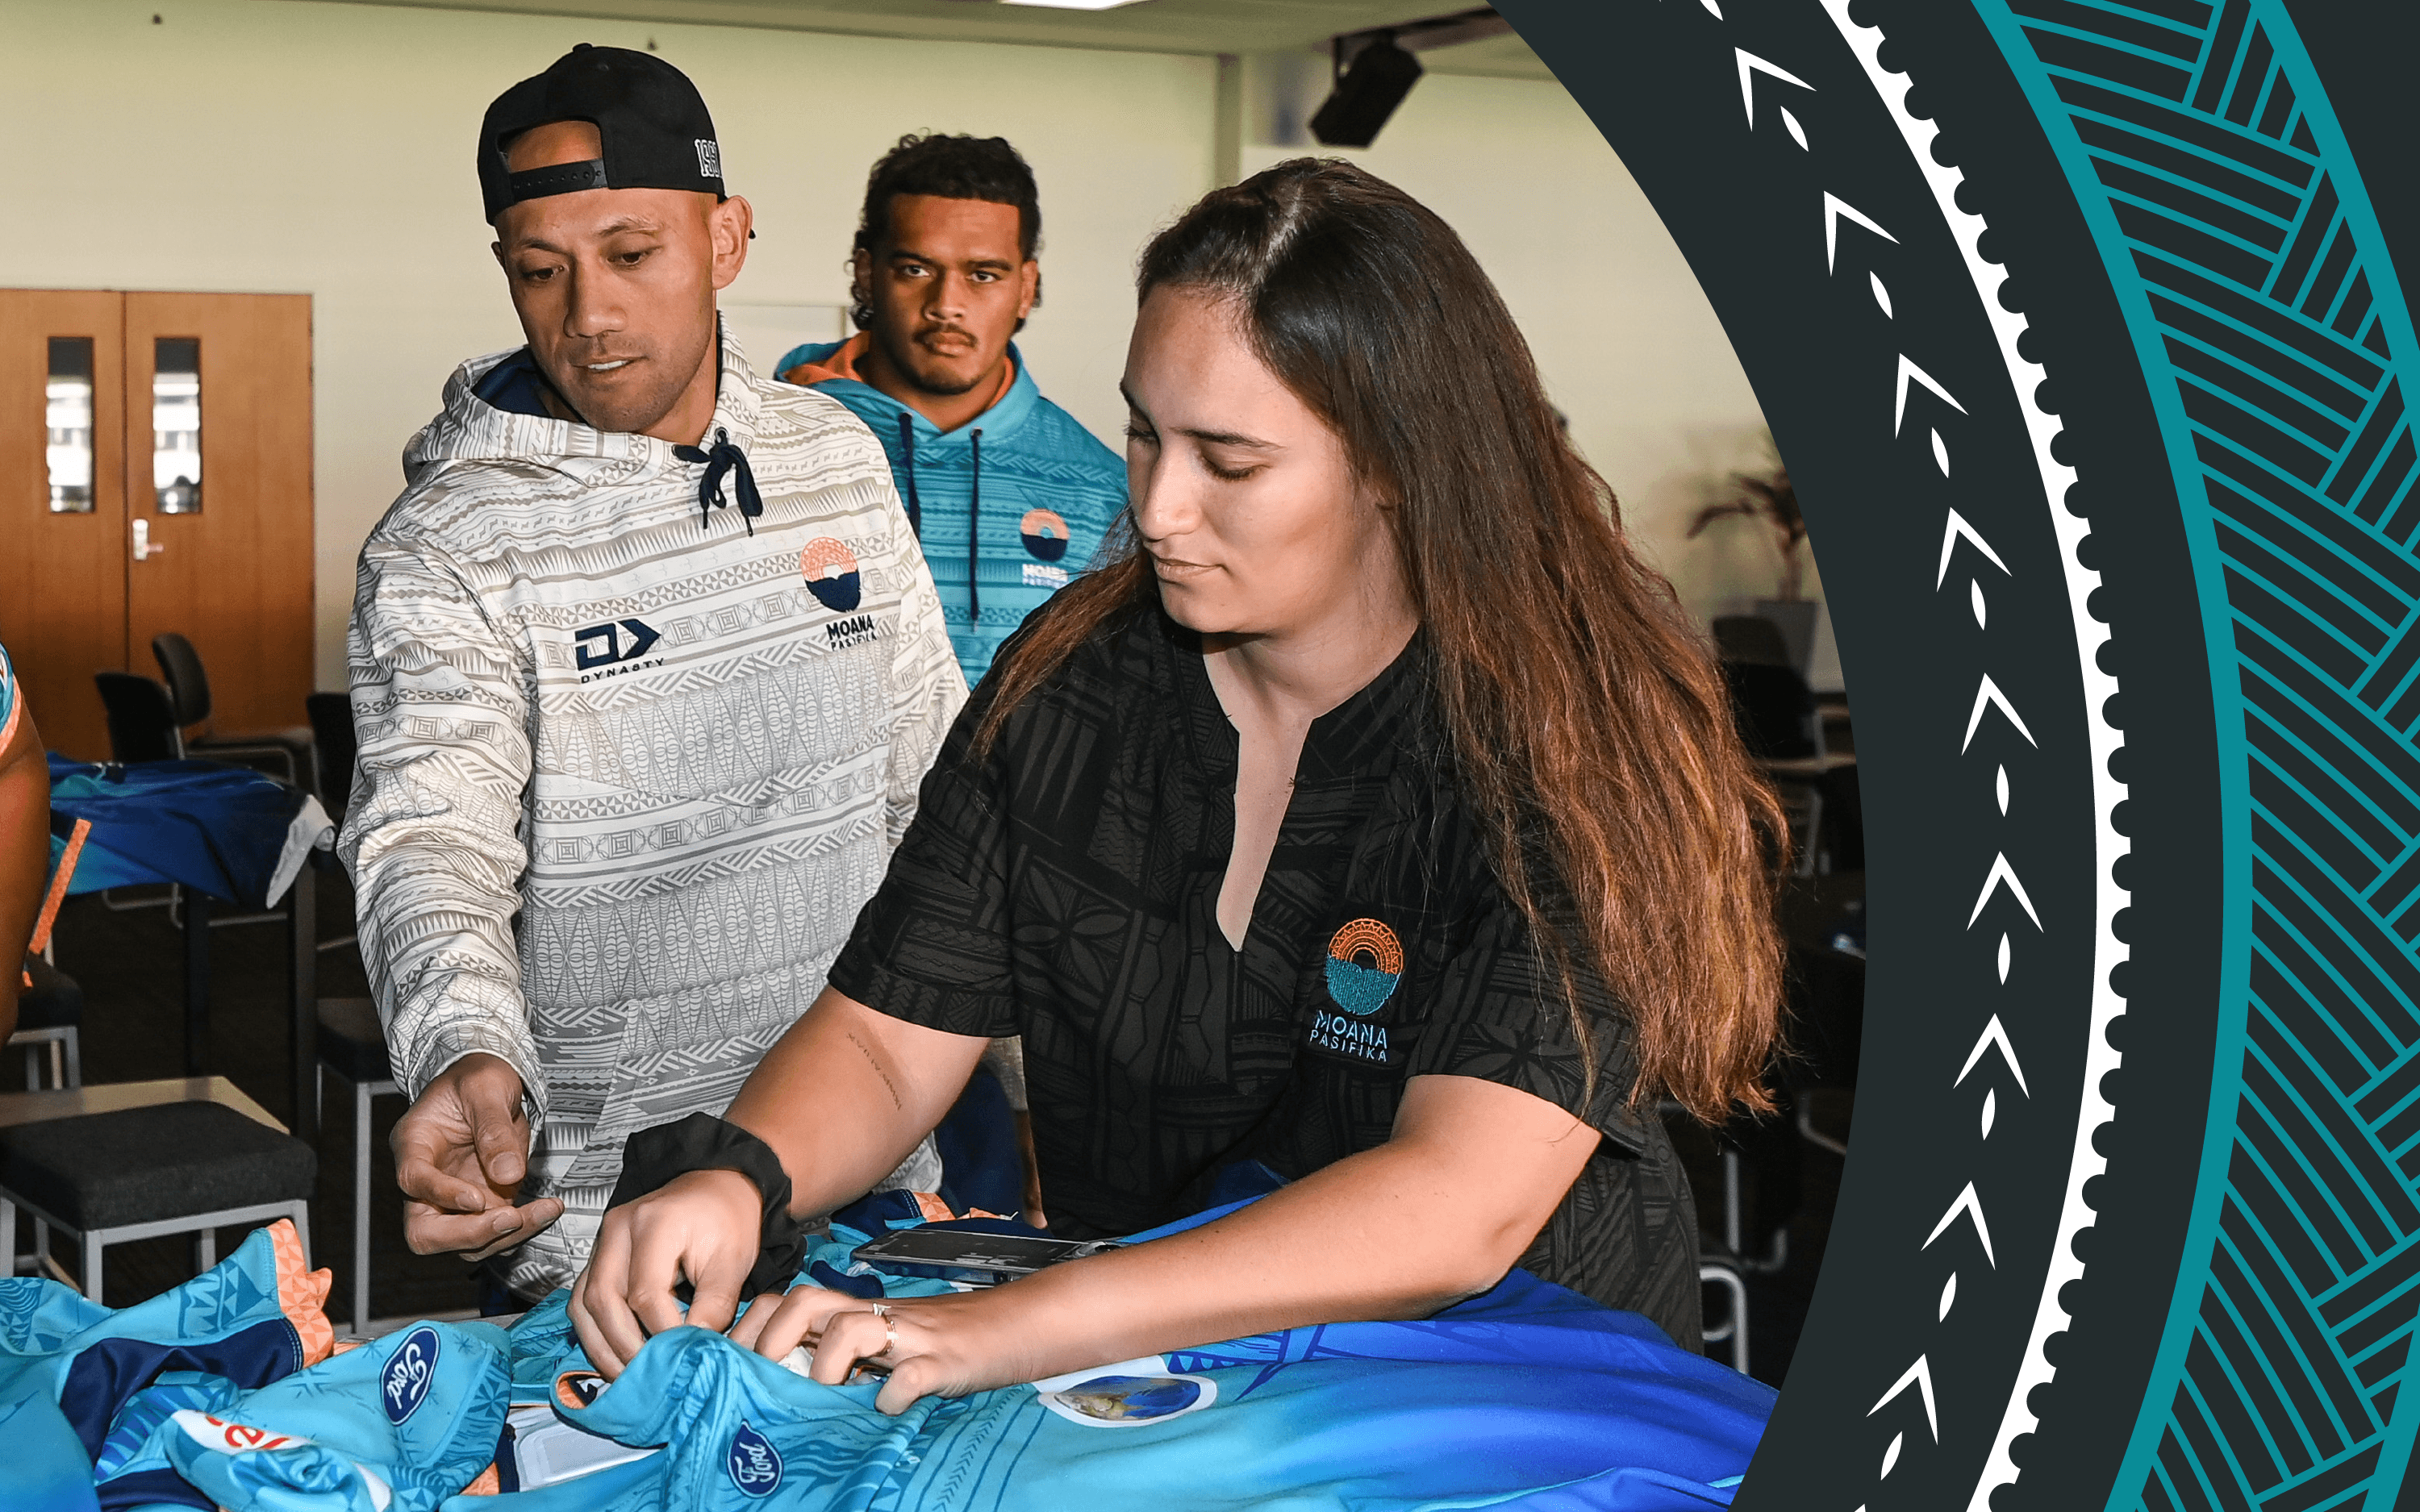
1592,736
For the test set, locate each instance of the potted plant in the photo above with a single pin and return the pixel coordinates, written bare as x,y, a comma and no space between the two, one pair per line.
1769,497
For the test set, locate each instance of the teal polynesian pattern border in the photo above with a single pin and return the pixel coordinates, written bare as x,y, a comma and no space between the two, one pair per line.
2278,351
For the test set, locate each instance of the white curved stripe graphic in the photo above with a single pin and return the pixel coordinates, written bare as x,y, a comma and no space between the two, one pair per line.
2100,1060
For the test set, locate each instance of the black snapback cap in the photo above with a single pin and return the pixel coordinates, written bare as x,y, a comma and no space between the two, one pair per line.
650,119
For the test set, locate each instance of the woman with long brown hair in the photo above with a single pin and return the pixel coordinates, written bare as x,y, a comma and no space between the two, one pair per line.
1370,827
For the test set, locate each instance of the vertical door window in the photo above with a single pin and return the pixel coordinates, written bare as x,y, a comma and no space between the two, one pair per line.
176,424
67,402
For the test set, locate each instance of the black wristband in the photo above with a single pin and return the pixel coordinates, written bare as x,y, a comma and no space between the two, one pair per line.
702,1142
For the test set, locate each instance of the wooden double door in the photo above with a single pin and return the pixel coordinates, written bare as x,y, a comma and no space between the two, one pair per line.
155,475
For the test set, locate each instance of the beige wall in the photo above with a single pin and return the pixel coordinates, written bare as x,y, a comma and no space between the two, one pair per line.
269,146
278,145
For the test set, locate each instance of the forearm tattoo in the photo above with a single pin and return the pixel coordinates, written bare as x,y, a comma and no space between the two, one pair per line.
864,1050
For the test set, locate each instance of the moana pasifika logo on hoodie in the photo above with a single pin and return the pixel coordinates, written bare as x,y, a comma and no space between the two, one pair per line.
830,570
1364,962
1045,534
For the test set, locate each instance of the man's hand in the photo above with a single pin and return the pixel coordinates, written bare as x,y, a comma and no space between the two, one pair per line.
460,1152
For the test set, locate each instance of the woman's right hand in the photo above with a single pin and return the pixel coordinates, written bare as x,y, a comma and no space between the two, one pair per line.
703,1228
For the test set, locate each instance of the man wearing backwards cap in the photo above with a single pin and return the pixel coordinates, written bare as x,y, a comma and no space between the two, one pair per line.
646,667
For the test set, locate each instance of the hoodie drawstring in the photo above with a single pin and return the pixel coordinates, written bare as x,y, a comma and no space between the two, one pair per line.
975,535
908,451
723,458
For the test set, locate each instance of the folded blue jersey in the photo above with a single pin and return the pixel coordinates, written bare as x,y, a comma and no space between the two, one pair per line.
1530,1395
403,1423
223,1393
69,1362
45,1468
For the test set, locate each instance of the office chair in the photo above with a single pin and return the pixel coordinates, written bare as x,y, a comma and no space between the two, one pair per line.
189,689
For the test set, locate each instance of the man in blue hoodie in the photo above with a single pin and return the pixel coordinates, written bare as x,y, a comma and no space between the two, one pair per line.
1009,495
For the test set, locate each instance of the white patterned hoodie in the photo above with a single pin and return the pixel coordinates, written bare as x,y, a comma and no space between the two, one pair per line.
629,769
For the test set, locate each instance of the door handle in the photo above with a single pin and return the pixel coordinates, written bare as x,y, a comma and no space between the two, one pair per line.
145,548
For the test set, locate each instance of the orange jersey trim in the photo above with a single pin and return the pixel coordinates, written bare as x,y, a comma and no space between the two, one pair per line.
303,1293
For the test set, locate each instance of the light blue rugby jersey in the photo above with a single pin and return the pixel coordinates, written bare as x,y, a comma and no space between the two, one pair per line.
220,1392
1530,1395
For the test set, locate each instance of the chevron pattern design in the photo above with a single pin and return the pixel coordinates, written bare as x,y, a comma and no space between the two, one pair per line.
2279,353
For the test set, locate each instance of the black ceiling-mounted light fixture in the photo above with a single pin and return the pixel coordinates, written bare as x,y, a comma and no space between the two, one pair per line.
1375,69
1367,91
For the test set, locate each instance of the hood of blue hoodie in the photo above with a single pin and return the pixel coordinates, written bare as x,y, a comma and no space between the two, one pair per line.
999,424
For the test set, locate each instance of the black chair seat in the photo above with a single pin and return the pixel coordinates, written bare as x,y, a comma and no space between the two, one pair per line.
351,1041
284,754
135,1165
294,738
53,1002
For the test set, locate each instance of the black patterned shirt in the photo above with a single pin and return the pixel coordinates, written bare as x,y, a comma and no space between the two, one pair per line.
1066,890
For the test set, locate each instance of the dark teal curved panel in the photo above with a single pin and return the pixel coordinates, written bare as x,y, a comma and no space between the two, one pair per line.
2279,351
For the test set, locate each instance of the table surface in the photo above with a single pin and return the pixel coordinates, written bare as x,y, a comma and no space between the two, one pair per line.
39,1107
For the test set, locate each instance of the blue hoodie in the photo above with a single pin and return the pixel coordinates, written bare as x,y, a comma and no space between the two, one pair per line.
1046,492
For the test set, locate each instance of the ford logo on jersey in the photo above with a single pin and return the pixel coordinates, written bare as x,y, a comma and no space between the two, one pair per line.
403,1385
755,1465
